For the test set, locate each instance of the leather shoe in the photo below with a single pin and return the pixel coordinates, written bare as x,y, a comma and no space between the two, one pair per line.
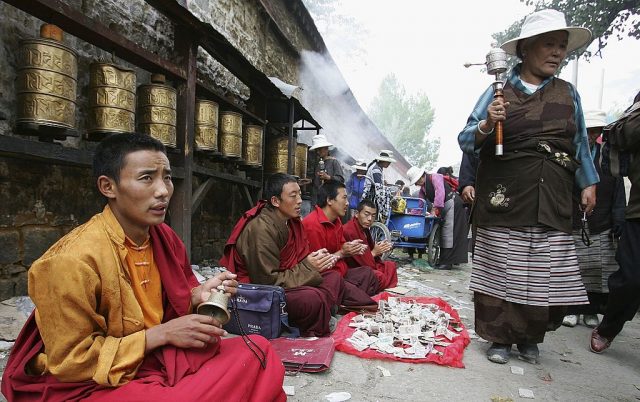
599,343
445,267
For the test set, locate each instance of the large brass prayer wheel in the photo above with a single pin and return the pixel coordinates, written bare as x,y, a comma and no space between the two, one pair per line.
112,99
301,161
157,110
46,81
206,126
277,155
252,145
231,134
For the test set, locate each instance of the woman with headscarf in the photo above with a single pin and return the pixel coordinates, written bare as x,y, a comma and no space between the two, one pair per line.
525,269
375,188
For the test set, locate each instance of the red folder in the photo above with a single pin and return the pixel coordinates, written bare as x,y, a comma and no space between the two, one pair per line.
310,355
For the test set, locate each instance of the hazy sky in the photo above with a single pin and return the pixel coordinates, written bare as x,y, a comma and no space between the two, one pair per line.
426,43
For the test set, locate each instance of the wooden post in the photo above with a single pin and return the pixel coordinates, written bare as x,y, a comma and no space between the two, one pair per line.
180,208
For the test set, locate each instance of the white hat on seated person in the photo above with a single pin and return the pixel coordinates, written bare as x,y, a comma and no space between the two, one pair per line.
319,141
595,118
414,174
544,21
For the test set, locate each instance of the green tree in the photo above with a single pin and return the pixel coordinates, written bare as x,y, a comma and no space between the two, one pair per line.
603,17
406,120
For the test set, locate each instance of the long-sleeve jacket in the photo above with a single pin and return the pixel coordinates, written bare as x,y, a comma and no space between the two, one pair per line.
260,244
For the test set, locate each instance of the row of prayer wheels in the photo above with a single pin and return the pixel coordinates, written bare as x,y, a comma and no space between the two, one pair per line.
277,157
47,91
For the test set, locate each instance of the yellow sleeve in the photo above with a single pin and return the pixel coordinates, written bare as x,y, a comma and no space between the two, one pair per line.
78,344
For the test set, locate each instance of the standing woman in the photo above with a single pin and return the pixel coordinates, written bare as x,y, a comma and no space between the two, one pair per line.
525,268
327,168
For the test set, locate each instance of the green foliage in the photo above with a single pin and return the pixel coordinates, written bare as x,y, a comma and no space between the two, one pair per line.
406,120
603,17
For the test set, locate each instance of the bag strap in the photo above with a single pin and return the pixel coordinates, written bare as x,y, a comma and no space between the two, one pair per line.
284,316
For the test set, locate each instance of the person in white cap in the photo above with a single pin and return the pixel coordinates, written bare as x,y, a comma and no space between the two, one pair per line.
596,237
375,188
525,268
356,183
446,202
327,168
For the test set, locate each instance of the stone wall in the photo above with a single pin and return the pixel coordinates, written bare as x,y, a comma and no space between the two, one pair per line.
40,202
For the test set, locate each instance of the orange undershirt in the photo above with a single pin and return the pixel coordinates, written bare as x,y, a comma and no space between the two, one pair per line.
145,281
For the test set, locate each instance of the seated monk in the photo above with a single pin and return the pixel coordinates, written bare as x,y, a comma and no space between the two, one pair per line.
268,246
358,229
114,301
324,230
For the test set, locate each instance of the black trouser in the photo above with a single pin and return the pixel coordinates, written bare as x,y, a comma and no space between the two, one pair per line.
624,284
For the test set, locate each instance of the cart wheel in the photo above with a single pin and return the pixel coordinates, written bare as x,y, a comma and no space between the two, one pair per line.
433,251
380,232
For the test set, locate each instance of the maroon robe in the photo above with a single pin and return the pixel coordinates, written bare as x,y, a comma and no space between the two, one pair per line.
167,373
309,307
360,282
385,271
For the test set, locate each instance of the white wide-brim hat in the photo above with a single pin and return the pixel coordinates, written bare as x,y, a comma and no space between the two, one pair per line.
385,156
595,118
414,174
544,21
360,165
319,141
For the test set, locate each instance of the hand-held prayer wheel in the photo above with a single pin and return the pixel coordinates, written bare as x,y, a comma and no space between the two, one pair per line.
157,110
112,99
46,82
206,126
216,306
497,65
231,134
252,145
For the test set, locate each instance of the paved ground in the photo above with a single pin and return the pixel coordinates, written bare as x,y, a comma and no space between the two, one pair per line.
567,371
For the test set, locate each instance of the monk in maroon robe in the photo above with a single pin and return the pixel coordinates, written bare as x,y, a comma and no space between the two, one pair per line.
268,246
114,301
324,230
358,229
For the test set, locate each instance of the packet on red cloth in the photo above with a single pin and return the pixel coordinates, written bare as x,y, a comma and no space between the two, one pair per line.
310,355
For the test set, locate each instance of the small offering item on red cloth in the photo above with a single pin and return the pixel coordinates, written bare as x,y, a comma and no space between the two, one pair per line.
415,329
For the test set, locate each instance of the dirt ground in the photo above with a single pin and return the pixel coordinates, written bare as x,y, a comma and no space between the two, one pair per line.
567,370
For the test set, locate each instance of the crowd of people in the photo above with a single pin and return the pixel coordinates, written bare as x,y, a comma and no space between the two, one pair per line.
543,253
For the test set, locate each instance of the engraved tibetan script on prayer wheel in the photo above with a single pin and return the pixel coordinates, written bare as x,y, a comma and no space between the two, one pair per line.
157,110
206,126
277,155
252,145
112,99
301,161
46,81
231,134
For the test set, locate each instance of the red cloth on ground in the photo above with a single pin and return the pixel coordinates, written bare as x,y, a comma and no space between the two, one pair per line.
452,354
296,249
385,271
168,373
324,234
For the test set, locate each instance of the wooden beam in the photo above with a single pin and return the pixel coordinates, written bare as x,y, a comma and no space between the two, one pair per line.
230,178
247,196
23,148
180,206
79,25
201,193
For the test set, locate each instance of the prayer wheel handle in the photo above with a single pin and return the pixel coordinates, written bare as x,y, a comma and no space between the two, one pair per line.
498,94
